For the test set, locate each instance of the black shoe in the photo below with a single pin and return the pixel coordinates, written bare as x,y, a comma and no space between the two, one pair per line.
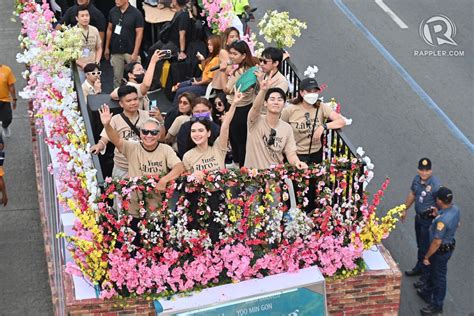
431,310
413,272
419,284
423,296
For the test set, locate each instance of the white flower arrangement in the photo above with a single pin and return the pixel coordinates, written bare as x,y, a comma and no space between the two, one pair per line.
277,27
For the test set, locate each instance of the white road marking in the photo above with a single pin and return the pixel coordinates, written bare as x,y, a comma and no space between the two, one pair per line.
391,14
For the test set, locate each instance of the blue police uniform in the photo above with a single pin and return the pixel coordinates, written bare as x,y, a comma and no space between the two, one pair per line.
425,198
444,227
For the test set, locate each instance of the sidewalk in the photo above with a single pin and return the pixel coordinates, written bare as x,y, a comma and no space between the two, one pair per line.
24,286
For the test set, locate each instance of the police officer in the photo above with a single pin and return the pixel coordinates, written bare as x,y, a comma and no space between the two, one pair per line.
441,248
423,190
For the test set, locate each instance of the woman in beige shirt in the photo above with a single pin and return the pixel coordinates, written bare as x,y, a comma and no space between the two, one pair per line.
205,155
308,117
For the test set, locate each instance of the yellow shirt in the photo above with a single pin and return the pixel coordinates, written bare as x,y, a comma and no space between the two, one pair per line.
7,78
207,73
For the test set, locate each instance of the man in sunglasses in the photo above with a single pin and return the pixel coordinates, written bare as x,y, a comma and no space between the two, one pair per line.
269,138
145,158
126,124
92,84
270,63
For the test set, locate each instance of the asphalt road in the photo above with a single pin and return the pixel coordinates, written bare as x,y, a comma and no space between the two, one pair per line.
24,286
391,120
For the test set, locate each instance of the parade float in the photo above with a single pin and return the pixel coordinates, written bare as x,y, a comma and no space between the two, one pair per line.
271,256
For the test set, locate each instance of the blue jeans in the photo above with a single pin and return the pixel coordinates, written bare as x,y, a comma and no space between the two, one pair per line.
186,86
436,284
422,231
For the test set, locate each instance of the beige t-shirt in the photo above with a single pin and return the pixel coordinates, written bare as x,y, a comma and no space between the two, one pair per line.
302,121
248,96
259,154
212,159
143,100
145,163
126,133
91,40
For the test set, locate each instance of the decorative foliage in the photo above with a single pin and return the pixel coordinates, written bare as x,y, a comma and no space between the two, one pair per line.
219,14
277,27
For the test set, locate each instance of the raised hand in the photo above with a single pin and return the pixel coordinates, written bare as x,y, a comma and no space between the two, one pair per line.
105,114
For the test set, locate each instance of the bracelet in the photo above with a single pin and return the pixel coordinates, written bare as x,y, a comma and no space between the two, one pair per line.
325,126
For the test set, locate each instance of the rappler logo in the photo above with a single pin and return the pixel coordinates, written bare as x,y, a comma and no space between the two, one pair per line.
438,30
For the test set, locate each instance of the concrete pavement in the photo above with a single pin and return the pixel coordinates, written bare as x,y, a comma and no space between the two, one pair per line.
24,286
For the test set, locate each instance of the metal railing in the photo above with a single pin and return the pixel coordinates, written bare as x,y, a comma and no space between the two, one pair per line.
81,100
337,143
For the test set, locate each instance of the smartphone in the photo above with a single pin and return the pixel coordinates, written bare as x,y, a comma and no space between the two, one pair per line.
167,54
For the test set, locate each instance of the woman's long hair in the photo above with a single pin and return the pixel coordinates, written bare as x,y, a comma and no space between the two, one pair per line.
216,48
226,34
243,48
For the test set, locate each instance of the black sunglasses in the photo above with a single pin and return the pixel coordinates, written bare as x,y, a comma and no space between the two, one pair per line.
271,139
153,132
265,61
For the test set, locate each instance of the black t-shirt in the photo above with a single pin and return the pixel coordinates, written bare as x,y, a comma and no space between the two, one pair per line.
181,23
130,20
183,136
97,18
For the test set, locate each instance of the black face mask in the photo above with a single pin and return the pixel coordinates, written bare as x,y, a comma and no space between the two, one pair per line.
139,78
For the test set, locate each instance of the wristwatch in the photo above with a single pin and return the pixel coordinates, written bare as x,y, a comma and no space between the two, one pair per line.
325,126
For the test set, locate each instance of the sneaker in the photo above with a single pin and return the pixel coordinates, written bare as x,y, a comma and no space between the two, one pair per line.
7,132
431,310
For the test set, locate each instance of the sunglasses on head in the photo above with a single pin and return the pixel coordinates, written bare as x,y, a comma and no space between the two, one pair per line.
153,132
308,120
95,73
271,139
199,119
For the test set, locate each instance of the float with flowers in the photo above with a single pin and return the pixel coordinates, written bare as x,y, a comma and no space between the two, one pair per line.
261,232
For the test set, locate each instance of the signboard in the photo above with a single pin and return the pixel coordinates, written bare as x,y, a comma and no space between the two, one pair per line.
293,294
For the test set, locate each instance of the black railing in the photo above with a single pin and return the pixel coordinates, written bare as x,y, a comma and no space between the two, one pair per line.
87,121
337,143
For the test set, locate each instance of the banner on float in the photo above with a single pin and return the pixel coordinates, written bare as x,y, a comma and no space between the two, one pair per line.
292,294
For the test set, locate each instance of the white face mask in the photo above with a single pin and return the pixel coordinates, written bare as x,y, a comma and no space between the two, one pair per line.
311,98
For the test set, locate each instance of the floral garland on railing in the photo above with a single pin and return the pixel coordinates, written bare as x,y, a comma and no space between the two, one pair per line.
47,53
258,235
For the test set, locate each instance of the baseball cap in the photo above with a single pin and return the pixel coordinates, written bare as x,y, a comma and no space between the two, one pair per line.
445,195
308,84
424,164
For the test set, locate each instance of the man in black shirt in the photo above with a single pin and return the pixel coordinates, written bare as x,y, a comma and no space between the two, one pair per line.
97,18
179,37
124,37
